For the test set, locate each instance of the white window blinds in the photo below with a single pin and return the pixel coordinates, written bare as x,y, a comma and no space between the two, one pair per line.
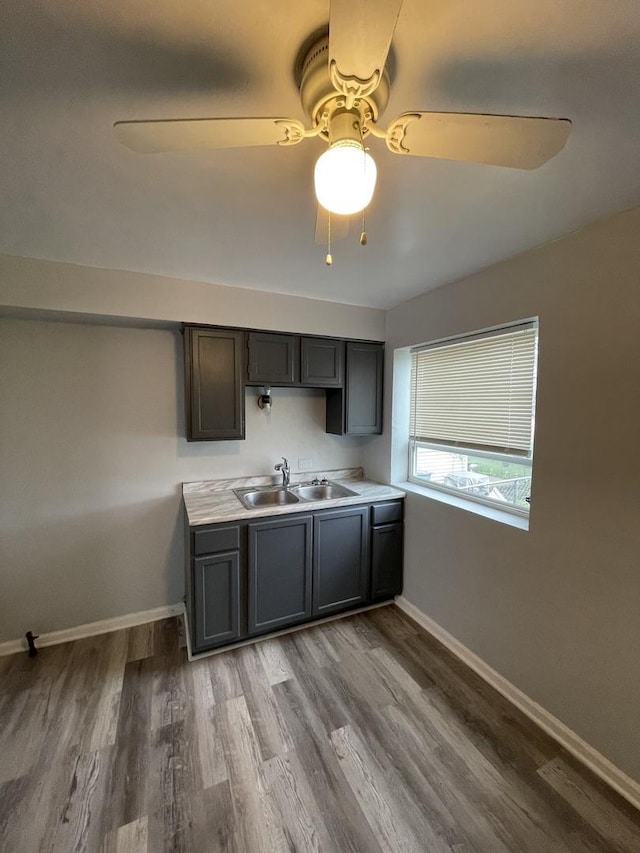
476,392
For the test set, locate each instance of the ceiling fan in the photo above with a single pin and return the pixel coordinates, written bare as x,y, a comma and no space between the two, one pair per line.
344,88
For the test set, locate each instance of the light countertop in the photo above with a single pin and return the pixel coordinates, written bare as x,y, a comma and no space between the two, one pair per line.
213,501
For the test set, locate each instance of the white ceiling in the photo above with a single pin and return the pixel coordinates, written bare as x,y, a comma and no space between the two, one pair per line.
70,68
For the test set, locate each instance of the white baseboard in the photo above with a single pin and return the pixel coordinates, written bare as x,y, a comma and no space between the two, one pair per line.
91,629
573,743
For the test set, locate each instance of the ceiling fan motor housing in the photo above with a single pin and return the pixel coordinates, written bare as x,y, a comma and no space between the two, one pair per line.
321,101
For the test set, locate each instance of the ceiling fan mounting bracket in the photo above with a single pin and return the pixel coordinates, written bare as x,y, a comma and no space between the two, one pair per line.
323,90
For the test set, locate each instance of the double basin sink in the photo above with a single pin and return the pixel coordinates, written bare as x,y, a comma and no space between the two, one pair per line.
261,496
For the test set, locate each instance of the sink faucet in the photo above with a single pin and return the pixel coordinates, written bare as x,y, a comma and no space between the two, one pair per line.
286,472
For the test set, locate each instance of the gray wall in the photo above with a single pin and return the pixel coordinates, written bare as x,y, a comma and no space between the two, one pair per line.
92,457
30,284
556,609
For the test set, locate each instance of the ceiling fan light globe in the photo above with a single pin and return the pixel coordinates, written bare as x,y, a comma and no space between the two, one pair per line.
345,178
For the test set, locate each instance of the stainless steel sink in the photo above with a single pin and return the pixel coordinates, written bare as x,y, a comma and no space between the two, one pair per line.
322,492
268,496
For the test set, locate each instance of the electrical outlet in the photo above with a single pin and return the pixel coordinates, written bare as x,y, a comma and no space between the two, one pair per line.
305,464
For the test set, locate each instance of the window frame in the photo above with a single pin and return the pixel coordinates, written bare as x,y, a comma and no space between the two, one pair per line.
460,449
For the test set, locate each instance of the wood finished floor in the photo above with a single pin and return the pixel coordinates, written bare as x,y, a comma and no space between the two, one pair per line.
359,735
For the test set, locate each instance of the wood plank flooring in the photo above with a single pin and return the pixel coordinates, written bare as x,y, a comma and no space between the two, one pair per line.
363,734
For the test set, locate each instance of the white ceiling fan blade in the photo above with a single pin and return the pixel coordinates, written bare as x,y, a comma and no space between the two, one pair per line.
360,33
339,226
516,141
150,137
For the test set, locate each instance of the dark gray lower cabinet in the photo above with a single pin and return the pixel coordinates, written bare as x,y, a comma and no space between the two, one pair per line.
340,565
386,561
246,578
279,573
216,596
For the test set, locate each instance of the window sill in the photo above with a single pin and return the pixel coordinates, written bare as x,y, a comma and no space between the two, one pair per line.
500,515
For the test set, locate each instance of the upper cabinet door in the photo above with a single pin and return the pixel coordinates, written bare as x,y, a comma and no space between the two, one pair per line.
274,359
356,408
363,415
214,374
322,362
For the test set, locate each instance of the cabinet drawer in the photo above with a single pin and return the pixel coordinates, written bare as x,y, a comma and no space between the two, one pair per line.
213,540
386,513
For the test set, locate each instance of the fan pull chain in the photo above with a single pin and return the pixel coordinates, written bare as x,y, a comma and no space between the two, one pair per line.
328,259
363,233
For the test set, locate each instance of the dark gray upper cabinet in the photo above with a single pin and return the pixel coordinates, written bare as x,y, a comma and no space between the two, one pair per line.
356,409
340,559
216,600
214,390
322,362
279,573
220,362
273,359
364,389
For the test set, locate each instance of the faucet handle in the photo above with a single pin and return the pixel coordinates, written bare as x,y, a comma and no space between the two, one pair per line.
280,465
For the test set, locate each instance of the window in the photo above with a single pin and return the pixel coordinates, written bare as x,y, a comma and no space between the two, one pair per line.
472,415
